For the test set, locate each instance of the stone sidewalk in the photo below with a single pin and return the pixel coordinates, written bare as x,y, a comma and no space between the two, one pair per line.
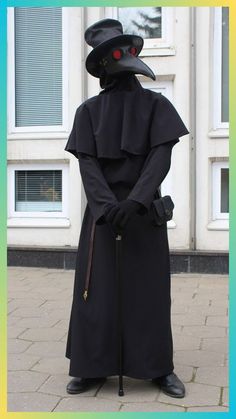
39,308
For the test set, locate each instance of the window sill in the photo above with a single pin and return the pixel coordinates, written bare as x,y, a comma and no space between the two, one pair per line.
38,223
171,224
158,51
218,225
219,133
38,136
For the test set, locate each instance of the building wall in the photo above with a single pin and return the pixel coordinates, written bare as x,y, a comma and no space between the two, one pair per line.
172,65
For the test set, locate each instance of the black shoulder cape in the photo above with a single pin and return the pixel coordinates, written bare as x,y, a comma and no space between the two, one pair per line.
124,118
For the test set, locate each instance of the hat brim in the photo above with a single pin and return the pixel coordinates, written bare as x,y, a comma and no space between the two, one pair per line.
92,61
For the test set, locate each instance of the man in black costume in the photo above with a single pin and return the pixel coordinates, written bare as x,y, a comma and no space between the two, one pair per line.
123,138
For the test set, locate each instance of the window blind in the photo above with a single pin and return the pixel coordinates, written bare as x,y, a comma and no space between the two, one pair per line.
38,66
38,190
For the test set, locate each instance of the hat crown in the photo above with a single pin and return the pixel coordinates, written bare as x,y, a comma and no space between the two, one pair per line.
103,31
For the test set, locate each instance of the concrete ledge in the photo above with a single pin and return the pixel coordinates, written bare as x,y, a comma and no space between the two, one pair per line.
196,261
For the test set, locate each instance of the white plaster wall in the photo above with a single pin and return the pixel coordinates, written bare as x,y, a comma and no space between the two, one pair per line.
207,147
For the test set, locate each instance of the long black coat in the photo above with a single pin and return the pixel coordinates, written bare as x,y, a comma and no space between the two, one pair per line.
118,136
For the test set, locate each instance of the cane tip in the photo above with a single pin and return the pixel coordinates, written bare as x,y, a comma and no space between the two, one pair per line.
121,392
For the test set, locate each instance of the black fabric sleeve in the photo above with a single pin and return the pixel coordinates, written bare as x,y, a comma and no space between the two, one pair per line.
81,138
155,169
98,193
166,123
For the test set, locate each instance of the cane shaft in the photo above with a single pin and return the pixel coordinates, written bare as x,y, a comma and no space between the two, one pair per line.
120,331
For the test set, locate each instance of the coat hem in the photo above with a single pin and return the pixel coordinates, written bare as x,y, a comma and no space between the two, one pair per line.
158,373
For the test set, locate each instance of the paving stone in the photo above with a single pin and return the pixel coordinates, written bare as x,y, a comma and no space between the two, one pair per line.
176,329
215,375
201,300
181,341
87,404
31,312
53,305
14,331
188,319
208,409
21,361
217,321
196,395
61,314
215,310
215,344
225,397
24,381
193,298
64,338
62,324
184,372
16,346
197,358
12,321
52,365
26,302
37,322
48,349
134,390
220,303
31,402
56,384
150,407
42,334
179,308
204,331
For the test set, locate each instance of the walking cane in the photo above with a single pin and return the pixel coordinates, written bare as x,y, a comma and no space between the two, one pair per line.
120,334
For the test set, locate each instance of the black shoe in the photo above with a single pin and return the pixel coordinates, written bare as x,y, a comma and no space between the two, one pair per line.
171,385
79,384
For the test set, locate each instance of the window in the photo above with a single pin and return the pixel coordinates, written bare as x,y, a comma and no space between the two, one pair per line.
220,190
37,190
221,68
37,69
154,24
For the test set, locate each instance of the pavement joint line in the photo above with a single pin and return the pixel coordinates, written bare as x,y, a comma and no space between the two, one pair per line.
221,396
18,336
193,374
37,362
49,375
201,344
57,403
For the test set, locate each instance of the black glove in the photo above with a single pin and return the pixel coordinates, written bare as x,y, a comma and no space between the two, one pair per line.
118,214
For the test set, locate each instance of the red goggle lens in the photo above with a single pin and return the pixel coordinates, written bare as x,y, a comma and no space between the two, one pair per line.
133,51
117,54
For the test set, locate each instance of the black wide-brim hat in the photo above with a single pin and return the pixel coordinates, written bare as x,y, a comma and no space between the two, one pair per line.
104,35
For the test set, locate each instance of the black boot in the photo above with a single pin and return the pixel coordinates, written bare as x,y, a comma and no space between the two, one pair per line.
171,385
79,384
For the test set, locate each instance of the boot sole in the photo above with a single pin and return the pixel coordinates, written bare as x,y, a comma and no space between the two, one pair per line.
180,396
82,390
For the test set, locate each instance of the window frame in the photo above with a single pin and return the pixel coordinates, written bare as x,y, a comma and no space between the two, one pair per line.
155,46
216,214
12,129
217,72
12,167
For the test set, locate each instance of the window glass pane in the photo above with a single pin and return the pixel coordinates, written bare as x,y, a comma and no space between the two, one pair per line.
38,66
225,65
38,190
224,190
143,21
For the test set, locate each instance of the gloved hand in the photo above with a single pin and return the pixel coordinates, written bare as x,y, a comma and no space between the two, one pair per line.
119,213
